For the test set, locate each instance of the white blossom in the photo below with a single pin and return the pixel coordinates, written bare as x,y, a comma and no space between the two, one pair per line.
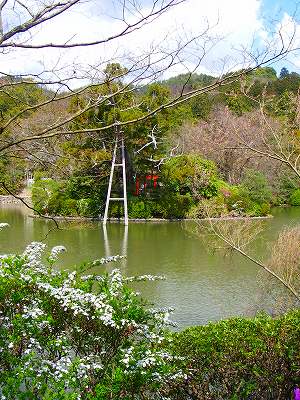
56,251
66,293
3,225
33,253
144,278
106,260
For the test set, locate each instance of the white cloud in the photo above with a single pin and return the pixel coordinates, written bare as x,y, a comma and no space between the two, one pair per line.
237,22
289,30
285,34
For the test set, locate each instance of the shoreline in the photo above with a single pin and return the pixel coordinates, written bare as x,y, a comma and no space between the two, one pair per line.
11,200
142,220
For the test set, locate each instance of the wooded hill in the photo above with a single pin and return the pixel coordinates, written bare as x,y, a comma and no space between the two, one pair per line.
232,150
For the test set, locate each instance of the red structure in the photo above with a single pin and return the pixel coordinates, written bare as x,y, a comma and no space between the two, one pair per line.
142,184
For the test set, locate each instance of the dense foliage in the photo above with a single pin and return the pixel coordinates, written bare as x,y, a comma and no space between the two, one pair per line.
11,172
193,181
240,358
13,100
80,196
189,186
65,335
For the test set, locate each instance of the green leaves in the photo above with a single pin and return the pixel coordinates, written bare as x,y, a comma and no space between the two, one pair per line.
295,198
242,358
190,174
68,336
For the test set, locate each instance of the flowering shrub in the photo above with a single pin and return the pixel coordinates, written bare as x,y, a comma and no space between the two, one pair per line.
68,336
65,335
3,225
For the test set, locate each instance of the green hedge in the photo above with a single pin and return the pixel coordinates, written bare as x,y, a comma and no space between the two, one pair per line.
76,197
295,198
171,206
240,358
190,174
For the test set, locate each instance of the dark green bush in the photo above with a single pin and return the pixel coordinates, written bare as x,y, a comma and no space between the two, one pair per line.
190,174
284,186
240,358
42,191
214,207
116,209
56,203
171,206
252,197
239,104
90,189
60,198
174,205
295,198
238,202
259,210
84,207
139,208
69,207
256,187
12,173
265,209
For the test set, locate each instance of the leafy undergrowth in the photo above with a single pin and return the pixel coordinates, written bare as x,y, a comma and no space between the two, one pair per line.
241,358
68,335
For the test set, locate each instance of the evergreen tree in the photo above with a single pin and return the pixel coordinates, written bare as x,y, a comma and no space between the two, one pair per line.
283,73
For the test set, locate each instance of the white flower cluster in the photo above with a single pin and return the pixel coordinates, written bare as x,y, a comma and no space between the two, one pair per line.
150,361
108,307
144,278
162,315
116,282
33,346
106,260
3,225
81,302
56,250
32,311
33,253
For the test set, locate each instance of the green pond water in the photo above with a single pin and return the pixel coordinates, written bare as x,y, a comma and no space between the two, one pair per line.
201,285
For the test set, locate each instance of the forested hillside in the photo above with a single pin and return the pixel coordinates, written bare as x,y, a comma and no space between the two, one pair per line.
230,151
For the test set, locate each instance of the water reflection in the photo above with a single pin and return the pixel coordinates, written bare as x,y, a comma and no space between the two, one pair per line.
124,245
106,242
200,285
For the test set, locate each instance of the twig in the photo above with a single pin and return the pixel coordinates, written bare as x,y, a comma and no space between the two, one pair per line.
28,206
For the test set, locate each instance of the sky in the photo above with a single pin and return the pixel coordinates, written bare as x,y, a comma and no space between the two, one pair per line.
236,28
273,8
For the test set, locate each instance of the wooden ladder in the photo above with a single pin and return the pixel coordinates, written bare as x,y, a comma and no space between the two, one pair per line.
113,165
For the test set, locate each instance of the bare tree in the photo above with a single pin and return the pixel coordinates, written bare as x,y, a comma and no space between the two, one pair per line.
219,139
265,135
239,235
31,14
19,31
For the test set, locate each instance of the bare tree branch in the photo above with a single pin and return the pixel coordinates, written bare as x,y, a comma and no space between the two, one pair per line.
236,242
58,8
3,184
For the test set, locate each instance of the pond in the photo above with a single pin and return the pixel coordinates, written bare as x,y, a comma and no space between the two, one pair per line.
201,285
